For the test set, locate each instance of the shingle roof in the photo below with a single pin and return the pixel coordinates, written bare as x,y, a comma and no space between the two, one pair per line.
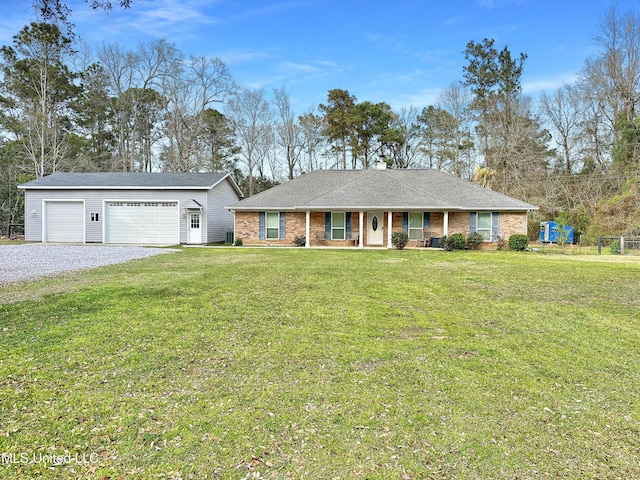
119,180
379,189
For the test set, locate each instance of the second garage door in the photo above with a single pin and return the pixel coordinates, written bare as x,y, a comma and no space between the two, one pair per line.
142,222
64,221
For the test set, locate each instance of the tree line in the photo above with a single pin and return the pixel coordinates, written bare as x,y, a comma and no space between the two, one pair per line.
574,151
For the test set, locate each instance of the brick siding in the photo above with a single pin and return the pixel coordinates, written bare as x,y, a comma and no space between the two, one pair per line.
246,227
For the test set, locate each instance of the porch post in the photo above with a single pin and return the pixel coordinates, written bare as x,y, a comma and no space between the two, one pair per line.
389,227
307,241
445,226
360,229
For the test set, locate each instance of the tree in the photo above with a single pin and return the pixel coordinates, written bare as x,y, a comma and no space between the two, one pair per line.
219,139
438,141
339,119
288,132
57,11
311,126
249,112
192,87
372,130
563,111
494,80
405,146
456,101
614,76
37,93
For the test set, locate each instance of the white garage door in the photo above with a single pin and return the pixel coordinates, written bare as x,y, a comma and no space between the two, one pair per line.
142,222
64,222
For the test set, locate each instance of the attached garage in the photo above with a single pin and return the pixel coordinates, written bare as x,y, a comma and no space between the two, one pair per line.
142,222
64,221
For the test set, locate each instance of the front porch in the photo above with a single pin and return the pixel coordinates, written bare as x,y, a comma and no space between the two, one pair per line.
349,229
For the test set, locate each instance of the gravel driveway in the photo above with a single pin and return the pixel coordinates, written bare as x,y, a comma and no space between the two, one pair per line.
30,261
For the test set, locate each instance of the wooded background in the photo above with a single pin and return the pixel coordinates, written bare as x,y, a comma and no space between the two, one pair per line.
574,151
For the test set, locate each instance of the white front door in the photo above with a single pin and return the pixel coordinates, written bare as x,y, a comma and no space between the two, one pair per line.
195,235
375,228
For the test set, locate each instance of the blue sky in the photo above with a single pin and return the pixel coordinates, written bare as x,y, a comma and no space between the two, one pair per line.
403,52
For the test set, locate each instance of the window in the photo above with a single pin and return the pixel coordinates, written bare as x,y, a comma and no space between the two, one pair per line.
273,221
338,226
483,226
194,220
415,225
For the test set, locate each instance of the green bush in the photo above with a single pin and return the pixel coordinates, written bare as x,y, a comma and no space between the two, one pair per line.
474,240
238,242
458,241
300,241
614,248
446,243
518,242
400,239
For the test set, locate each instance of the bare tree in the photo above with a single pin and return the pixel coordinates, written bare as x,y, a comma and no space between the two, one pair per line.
456,100
563,111
613,77
311,126
288,133
136,78
249,112
191,89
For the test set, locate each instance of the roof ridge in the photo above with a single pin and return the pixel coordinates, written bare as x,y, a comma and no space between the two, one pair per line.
336,187
417,188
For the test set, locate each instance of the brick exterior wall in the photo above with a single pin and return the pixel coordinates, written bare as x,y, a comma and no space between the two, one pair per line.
246,227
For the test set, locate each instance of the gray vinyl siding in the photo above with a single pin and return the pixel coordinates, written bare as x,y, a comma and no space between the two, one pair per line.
220,220
216,220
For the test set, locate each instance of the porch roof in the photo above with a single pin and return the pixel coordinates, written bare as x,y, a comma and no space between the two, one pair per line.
398,189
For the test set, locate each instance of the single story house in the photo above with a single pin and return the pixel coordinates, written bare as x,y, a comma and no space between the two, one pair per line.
364,207
130,208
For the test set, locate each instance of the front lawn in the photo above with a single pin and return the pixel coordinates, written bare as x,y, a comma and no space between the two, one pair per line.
325,364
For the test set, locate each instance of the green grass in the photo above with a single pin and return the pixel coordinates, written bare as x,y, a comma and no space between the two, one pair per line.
322,364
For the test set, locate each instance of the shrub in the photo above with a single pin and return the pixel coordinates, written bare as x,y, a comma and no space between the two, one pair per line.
500,244
445,243
458,241
518,242
400,239
614,248
300,241
238,242
474,240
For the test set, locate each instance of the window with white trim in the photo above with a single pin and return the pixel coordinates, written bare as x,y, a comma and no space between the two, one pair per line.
338,226
483,226
273,225
415,225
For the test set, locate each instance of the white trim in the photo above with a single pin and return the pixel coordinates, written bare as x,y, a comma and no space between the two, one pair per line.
266,226
344,225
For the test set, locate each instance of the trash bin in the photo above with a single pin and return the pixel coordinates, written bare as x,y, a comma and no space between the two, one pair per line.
435,242
229,238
